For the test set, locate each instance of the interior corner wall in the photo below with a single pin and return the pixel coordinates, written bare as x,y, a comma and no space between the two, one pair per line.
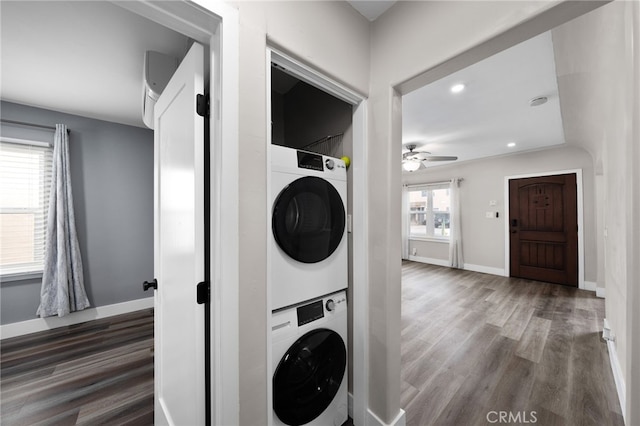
482,238
112,181
334,39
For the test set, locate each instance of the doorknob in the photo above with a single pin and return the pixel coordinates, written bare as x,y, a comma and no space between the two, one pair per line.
149,284
514,222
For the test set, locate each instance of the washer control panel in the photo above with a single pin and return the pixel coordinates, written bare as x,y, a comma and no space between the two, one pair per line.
318,309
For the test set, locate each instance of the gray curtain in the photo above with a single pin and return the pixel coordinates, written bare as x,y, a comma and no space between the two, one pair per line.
455,228
62,279
405,222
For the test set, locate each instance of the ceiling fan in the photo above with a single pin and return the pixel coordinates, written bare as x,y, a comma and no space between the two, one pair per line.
412,160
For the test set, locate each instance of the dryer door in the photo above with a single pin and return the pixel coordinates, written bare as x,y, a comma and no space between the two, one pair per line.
309,376
308,219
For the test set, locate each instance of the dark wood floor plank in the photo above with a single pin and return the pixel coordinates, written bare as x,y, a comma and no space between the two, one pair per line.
534,339
502,344
99,372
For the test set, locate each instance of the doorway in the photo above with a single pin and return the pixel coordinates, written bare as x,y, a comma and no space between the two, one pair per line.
543,229
578,225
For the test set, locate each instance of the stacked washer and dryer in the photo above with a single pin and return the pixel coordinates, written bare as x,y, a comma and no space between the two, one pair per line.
309,267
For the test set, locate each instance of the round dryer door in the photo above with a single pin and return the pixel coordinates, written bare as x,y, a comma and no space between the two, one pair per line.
308,376
308,219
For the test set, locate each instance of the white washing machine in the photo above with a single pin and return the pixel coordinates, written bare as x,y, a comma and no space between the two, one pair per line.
309,342
308,208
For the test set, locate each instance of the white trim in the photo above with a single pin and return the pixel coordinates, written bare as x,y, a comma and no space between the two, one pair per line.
311,76
466,267
20,276
269,240
600,292
485,269
350,404
18,141
590,285
430,239
618,377
22,328
360,240
224,254
430,260
580,202
399,420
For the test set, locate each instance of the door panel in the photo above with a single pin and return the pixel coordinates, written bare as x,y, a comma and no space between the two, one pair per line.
544,229
179,247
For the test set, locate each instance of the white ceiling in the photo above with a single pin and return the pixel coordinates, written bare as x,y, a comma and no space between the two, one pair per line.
86,58
493,110
79,57
371,9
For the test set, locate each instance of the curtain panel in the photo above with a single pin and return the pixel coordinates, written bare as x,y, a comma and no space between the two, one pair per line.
62,289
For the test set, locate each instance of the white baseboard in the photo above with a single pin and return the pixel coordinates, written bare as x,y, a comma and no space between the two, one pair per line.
41,324
467,266
485,269
400,420
374,420
617,375
350,404
430,260
600,292
590,285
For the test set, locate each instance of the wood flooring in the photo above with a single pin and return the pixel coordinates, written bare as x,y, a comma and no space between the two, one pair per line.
476,347
95,373
473,345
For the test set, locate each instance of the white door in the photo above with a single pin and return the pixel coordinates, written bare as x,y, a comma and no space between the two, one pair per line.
179,247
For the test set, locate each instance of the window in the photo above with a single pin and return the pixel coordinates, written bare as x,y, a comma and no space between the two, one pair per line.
429,209
25,180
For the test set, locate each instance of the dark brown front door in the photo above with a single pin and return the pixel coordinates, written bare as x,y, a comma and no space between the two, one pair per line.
543,223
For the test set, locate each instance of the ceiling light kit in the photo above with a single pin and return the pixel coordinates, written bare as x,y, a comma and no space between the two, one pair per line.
412,160
511,144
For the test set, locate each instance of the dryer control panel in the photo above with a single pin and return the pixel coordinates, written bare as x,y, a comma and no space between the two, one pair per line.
308,160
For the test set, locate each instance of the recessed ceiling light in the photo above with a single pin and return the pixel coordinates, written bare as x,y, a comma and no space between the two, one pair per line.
511,144
538,101
457,88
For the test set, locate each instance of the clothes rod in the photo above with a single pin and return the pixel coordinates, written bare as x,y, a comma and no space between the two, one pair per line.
22,123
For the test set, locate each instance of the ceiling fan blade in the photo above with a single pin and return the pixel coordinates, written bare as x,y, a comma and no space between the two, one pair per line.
440,158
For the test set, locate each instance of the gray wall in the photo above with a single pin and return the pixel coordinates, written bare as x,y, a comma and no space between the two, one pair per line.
483,240
112,179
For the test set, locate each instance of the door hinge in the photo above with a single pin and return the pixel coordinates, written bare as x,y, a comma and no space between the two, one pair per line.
202,105
202,292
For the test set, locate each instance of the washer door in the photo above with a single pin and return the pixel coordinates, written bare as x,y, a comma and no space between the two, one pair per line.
308,219
309,376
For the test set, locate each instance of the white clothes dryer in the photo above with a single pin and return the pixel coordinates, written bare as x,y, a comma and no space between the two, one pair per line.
309,243
309,353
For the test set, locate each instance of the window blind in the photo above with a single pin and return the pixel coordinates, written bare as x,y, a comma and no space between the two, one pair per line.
25,182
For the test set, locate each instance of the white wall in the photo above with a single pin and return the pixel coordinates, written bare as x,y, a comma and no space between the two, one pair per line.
595,64
484,239
334,39
413,37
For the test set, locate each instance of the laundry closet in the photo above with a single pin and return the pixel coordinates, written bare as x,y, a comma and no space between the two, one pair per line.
310,256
